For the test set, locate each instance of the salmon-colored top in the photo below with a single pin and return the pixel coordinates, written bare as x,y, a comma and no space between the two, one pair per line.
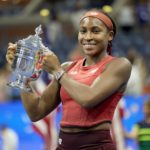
74,114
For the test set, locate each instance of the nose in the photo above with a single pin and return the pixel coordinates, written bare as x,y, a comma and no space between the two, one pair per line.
88,36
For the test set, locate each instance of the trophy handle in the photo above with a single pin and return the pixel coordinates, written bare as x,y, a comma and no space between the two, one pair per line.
38,69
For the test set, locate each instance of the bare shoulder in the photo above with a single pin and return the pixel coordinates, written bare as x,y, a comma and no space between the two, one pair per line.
122,62
120,65
65,65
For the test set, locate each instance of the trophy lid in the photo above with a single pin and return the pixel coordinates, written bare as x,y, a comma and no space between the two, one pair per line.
33,40
38,30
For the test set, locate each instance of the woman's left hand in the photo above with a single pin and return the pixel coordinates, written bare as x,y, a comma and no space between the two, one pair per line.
50,62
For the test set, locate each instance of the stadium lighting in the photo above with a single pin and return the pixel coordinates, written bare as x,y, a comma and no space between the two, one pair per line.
44,12
107,8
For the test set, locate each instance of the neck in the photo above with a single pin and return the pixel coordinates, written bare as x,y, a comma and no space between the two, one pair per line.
94,59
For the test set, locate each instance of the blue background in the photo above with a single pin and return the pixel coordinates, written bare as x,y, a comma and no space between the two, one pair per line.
14,115
133,114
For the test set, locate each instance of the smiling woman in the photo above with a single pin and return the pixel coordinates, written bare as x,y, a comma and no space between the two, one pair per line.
89,88
105,21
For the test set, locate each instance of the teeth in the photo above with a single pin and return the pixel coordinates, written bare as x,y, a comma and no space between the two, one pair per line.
88,44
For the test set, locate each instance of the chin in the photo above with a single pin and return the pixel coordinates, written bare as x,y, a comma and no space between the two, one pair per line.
91,52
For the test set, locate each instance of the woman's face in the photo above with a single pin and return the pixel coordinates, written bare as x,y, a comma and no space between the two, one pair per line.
93,36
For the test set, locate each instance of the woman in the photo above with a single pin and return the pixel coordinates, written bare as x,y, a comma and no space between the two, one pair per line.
89,88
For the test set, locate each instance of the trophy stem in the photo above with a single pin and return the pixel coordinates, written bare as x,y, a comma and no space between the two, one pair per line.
19,81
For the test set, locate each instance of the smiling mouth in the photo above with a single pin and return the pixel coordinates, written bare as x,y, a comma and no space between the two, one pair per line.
89,46
88,43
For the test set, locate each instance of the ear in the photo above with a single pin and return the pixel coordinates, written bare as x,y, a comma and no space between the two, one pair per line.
111,35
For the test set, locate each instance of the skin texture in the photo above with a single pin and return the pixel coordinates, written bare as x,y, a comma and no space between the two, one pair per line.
93,38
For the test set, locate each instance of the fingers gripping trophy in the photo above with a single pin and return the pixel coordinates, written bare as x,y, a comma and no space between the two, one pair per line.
24,65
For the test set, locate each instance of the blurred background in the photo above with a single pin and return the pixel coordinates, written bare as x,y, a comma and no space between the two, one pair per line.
59,20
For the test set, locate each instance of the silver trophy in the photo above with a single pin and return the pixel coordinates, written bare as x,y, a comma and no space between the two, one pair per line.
24,65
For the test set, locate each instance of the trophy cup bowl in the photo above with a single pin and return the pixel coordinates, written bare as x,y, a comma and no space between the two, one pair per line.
24,63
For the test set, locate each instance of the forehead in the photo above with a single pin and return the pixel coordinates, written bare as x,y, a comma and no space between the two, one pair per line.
92,21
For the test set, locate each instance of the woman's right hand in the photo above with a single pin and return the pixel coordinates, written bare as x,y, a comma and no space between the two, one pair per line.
10,55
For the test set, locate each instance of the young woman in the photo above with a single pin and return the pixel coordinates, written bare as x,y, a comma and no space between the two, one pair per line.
89,88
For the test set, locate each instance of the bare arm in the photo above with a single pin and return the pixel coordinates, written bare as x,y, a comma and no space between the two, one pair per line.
38,107
115,75
113,78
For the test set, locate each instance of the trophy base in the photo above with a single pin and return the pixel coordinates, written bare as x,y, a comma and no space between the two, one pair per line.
19,85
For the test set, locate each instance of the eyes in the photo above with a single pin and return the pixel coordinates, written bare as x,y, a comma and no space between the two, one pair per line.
95,30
